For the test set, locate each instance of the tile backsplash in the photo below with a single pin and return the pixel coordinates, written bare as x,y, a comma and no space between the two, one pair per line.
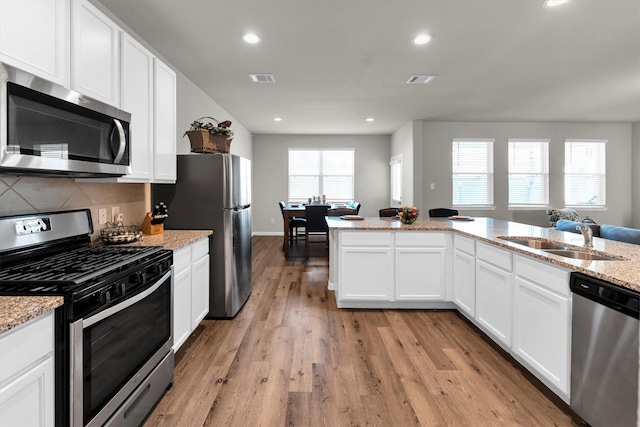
27,194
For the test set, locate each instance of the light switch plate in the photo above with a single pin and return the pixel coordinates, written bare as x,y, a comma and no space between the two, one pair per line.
102,216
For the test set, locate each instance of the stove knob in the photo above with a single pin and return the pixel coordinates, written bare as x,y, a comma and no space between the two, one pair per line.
104,297
119,289
137,278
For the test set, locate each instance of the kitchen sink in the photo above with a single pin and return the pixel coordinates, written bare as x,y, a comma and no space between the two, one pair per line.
534,243
583,254
560,249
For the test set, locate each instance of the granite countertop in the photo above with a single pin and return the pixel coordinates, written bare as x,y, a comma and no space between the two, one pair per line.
172,239
625,272
15,311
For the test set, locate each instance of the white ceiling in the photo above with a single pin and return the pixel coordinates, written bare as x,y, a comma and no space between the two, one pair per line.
337,62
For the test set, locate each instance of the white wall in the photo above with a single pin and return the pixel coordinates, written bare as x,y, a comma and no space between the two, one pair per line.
402,144
270,173
635,177
437,165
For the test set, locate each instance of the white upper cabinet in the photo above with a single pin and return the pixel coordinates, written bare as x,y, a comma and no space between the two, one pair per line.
137,99
164,129
34,36
95,53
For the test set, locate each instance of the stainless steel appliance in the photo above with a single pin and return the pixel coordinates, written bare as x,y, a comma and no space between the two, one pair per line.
46,129
213,192
604,352
113,338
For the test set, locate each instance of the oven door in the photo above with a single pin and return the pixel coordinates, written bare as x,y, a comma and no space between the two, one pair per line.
114,351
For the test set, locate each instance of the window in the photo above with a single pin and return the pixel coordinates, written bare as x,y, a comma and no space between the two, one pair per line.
472,168
585,175
321,172
528,172
396,180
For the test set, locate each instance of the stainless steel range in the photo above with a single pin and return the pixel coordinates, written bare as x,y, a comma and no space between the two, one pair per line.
113,334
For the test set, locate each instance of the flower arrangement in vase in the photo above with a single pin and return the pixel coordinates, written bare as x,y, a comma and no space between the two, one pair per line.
408,214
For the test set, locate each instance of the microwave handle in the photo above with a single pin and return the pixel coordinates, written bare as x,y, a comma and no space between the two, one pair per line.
122,140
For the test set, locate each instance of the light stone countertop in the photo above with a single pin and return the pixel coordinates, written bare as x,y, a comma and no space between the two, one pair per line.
172,239
625,273
15,311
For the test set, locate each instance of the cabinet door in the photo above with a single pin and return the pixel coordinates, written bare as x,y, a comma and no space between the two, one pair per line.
464,282
181,308
28,400
164,129
366,273
541,331
95,54
494,296
137,99
419,274
34,36
199,290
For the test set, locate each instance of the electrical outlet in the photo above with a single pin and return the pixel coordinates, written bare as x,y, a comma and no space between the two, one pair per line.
273,221
114,213
102,216
121,217
433,186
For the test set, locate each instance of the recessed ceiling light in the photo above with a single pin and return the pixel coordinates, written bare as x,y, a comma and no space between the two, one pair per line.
370,119
262,78
422,39
277,119
554,3
251,38
417,79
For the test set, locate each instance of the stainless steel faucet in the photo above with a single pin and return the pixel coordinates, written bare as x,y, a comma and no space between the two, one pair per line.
587,233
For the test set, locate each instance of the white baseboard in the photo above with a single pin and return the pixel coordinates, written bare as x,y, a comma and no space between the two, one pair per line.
267,233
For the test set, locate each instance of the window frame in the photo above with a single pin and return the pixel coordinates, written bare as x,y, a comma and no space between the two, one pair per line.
490,202
321,175
544,173
603,174
395,165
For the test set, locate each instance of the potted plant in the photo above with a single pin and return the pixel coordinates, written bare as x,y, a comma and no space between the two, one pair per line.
207,135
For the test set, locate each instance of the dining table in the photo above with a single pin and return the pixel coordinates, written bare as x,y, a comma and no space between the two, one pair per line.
291,211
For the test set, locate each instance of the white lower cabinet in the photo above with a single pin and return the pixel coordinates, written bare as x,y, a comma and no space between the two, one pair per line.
190,289
27,374
542,322
420,266
366,272
464,274
494,292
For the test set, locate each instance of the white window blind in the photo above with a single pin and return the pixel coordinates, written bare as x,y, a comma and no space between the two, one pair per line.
528,172
585,175
327,172
396,180
472,172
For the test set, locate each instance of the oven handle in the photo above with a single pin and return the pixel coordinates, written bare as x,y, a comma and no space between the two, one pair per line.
124,304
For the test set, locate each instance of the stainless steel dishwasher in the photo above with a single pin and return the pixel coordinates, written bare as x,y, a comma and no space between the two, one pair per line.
604,352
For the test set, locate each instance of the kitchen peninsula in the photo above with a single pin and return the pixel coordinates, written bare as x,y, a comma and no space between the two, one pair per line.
518,295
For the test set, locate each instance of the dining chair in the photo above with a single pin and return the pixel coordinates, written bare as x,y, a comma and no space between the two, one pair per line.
294,225
354,205
388,212
442,212
316,226
341,211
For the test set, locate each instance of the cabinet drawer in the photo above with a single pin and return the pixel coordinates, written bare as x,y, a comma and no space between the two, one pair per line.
501,258
420,238
464,244
548,276
181,259
199,249
25,345
365,238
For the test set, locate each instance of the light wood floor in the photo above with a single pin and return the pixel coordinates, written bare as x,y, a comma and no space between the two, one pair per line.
290,357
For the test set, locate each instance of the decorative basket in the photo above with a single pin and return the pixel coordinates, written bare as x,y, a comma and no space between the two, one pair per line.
117,233
204,141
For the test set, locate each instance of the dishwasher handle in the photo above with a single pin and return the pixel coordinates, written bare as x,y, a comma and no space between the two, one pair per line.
613,296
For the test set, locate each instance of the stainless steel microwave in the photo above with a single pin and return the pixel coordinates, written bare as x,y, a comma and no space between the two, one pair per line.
47,129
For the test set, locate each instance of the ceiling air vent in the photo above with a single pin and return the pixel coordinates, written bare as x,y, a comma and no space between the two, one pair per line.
420,79
262,78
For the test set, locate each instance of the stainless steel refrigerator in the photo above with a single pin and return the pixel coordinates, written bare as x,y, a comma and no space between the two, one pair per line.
213,192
